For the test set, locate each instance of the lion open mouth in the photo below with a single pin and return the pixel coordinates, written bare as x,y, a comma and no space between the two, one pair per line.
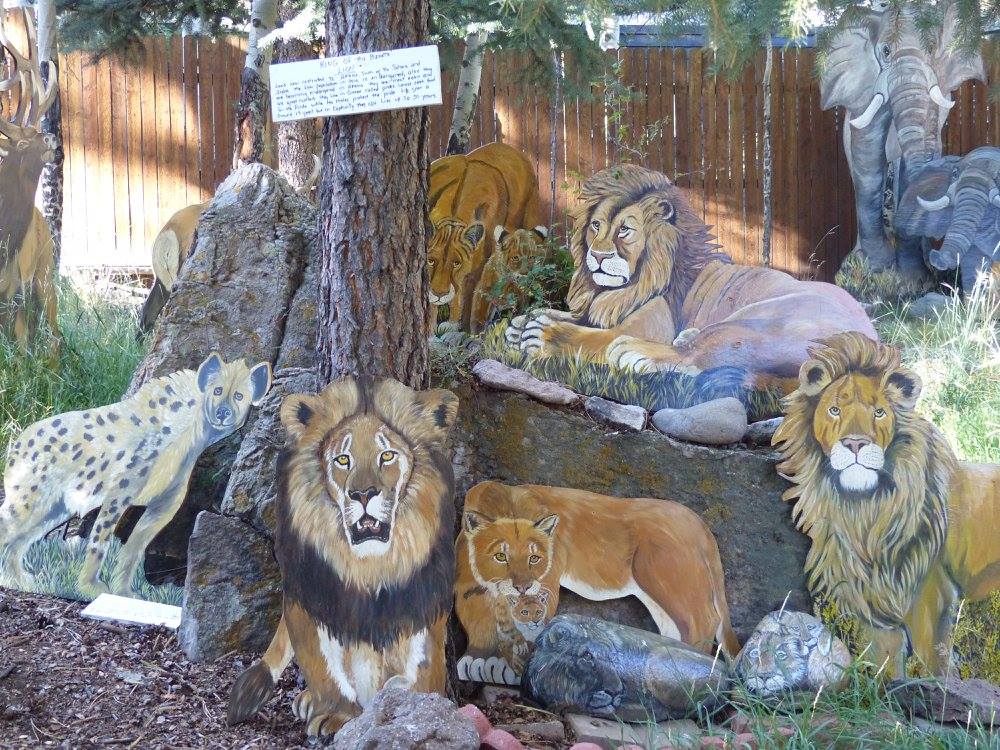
367,529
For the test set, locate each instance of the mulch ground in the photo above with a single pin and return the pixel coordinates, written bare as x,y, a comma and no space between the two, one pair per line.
70,682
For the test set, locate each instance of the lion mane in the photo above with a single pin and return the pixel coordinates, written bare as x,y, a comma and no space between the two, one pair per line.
870,554
374,600
670,261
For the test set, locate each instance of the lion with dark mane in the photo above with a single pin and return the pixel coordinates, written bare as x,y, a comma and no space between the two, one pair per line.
900,529
652,292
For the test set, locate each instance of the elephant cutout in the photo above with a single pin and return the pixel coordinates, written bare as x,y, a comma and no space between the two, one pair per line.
957,198
896,90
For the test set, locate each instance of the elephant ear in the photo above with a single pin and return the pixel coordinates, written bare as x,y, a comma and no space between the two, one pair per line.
955,66
848,68
911,219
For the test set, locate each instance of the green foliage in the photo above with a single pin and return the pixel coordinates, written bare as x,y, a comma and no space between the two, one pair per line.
452,354
103,26
56,563
544,284
98,354
977,639
877,287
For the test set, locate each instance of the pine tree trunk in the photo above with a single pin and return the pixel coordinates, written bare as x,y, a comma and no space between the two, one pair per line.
373,208
768,163
251,111
52,174
467,92
297,138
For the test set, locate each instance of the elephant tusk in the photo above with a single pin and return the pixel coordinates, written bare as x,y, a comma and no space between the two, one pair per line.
935,205
995,197
938,97
865,118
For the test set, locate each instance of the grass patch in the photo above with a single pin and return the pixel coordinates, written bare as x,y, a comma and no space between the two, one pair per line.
97,356
653,391
56,564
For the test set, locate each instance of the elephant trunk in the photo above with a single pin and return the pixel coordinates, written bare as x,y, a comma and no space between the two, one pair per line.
971,198
915,97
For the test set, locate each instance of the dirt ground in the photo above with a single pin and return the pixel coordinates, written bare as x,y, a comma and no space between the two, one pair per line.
68,682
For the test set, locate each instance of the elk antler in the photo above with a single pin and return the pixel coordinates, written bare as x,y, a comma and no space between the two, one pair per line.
25,76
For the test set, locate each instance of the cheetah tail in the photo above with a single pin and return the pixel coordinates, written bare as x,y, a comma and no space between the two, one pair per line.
253,688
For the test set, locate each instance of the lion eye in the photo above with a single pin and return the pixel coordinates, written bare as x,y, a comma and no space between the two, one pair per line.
879,413
457,264
595,225
217,391
625,231
534,560
237,396
343,460
387,457
500,557
430,262
834,411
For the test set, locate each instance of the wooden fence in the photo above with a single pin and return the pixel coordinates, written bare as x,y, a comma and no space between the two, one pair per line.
145,139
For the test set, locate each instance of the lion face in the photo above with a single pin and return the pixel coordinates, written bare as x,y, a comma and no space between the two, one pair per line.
366,465
509,556
451,256
615,238
854,421
521,249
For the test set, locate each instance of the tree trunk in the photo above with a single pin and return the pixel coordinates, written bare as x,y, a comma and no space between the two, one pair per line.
768,166
52,174
297,138
467,92
252,107
373,207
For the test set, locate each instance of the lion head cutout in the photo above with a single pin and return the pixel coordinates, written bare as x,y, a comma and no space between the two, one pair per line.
634,238
870,477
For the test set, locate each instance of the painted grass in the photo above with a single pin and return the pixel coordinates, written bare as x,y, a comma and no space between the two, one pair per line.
652,391
56,563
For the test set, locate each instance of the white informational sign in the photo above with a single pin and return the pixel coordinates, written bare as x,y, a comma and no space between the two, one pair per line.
133,611
352,84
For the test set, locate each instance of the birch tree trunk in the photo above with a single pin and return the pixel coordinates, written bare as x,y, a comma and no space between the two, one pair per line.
251,111
467,92
373,209
52,173
768,163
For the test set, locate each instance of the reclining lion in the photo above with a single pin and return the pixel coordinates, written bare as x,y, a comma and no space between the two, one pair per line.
652,292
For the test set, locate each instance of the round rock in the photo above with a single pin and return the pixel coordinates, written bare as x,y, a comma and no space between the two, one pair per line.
399,720
717,422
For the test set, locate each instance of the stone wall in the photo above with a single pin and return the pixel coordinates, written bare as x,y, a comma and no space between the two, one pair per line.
231,600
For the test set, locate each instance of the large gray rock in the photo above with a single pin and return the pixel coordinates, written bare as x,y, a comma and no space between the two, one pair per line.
516,440
721,421
402,720
760,433
232,596
976,702
233,296
929,307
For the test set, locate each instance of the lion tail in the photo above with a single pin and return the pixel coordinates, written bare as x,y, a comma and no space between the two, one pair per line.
253,688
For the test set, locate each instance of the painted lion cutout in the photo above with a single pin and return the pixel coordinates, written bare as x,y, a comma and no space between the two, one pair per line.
901,530
365,517
652,292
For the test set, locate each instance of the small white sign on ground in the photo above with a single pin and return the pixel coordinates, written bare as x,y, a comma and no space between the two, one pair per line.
133,611
352,84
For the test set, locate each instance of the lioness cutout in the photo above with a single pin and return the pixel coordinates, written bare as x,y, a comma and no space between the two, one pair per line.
522,540
901,530
366,515
471,195
652,292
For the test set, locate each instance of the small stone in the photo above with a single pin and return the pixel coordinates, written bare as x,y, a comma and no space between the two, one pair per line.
609,734
398,718
553,731
495,693
132,678
718,422
498,739
740,723
497,375
928,307
478,718
744,741
615,414
950,700
784,731
712,741
760,433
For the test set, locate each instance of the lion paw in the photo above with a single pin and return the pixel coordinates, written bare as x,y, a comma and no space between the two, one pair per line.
625,353
531,332
302,705
493,669
324,725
